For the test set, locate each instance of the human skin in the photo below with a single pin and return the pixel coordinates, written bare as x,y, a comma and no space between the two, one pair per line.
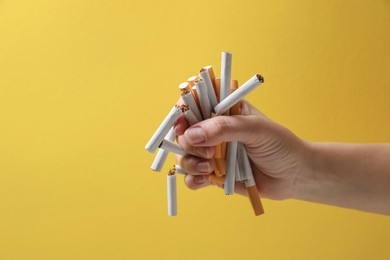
285,166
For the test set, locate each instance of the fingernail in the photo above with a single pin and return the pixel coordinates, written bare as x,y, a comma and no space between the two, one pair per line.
203,166
199,179
195,135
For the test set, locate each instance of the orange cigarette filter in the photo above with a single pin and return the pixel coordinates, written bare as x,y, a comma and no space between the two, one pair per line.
191,83
220,165
217,88
216,179
254,197
235,110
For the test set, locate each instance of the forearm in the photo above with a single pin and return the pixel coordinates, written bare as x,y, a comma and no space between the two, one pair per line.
348,175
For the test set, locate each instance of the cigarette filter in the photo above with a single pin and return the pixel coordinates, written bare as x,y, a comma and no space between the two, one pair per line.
172,147
203,96
234,110
191,80
184,86
220,167
172,195
244,166
189,100
254,198
162,155
238,95
218,88
205,76
163,129
226,72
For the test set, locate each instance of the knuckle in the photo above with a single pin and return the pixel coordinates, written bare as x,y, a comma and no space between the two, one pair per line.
221,124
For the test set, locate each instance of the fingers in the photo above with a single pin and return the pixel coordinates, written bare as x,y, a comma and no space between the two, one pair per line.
195,165
220,129
195,182
181,125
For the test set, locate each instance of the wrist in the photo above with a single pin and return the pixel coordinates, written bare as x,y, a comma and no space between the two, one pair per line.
309,179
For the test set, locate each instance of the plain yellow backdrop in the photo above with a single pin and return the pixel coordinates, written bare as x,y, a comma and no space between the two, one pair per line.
84,84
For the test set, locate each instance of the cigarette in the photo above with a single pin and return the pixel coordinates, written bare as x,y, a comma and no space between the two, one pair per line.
191,80
238,95
172,147
191,83
162,155
243,162
210,70
189,115
203,96
239,176
231,159
189,100
245,166
231,162
226,72
196,97
205,76
220,167
178,169
184,86
172,193
163,129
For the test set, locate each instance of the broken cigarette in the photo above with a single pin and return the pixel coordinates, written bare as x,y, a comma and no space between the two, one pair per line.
163,129
178,169
189,115
162,155
172,193
189,100
238,95
172,147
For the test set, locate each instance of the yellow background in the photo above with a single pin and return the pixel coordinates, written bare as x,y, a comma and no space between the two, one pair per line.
84,84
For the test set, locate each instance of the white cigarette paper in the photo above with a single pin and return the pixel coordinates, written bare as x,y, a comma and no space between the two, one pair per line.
172,194
179,170
231,163
189,115
172,147
244,165
189,100
205,76
203,96
226,72
163,129
162,155
238,95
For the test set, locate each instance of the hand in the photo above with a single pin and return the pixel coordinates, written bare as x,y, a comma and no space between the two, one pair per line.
278,157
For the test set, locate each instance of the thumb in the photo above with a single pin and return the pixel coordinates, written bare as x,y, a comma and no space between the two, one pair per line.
213,131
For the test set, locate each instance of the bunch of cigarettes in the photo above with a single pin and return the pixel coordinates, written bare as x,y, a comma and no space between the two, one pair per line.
205,97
